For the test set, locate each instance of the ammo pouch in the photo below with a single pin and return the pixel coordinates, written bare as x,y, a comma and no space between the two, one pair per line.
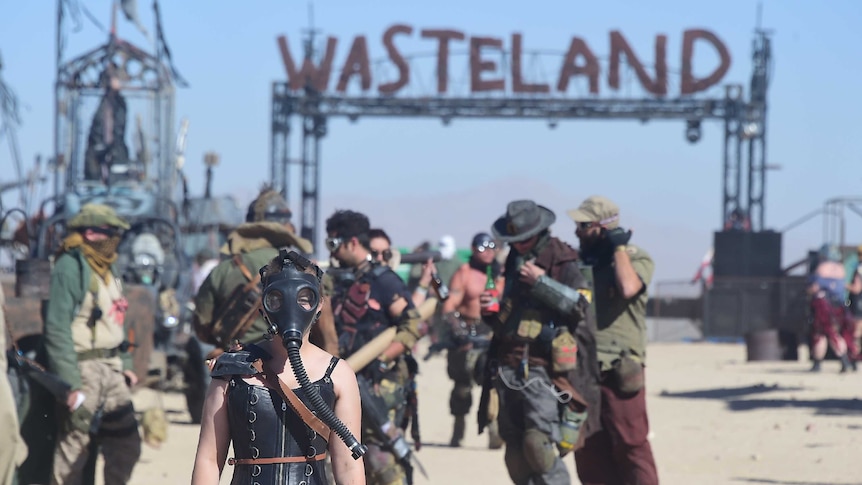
564,351
627,374
82,420
237,313
530,327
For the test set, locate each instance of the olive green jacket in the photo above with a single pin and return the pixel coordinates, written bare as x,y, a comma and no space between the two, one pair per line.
221,282
70,281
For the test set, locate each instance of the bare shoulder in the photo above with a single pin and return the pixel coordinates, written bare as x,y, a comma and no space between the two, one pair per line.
343,377
462,272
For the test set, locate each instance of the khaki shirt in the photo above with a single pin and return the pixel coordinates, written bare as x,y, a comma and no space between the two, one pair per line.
107,332
621,323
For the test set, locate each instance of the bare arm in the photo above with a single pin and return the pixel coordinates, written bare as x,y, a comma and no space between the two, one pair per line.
456,291
214,436
628,281
420,294
856,286
346,470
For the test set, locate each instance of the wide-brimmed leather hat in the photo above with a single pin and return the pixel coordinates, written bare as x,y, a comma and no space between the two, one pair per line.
523,219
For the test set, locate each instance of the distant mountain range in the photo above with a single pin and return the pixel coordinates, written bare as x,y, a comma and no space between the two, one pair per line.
410,220
677,248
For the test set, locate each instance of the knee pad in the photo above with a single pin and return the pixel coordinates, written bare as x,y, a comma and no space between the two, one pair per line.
539,451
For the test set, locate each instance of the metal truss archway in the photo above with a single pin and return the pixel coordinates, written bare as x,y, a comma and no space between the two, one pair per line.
744,151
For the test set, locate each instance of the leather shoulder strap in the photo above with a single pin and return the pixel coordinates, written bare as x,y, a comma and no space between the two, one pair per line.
237,260
298,406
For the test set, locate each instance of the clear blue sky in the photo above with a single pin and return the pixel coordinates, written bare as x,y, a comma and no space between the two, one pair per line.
228,53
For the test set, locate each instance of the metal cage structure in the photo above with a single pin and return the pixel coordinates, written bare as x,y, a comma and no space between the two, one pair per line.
144,78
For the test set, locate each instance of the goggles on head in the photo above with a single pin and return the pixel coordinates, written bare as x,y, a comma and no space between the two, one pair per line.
486,245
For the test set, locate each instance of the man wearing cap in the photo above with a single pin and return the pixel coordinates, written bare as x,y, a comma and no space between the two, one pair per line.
376,300
542,341
86,346
620,452
469,335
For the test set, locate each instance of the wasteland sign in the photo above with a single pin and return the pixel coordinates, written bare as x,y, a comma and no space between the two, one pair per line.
486,73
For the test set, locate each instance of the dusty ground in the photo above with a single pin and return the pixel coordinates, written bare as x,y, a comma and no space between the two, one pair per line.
716,419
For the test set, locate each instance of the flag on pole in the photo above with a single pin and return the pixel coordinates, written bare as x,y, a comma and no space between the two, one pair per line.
130,10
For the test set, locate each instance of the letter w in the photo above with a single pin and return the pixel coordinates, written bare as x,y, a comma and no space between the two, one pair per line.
316,77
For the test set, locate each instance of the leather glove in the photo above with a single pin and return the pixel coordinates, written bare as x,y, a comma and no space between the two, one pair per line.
376,370
618,237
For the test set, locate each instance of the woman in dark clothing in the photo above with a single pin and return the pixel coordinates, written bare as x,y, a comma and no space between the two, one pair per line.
272,444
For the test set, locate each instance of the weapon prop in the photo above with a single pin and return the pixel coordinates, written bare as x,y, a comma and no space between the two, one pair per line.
420,257
51,382
411,417
374,409
370,351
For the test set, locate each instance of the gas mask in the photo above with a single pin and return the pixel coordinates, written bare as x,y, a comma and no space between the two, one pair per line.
291,297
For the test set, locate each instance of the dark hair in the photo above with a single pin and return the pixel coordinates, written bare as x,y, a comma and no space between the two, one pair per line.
376,232
347,224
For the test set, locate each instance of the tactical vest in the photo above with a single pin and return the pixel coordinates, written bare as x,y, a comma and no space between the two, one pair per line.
357,321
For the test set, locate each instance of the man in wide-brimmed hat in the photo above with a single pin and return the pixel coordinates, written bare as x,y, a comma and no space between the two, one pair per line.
620,451
542,342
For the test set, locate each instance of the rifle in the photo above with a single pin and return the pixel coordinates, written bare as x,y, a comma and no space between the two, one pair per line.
374,409
411,414
51,382
420,257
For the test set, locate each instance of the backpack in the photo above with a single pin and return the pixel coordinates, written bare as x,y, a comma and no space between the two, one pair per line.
233,317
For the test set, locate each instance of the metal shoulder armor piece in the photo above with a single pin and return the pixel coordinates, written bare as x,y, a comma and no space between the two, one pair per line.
245,362
556,295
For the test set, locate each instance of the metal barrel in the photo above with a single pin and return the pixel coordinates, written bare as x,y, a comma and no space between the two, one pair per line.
763,345
32,278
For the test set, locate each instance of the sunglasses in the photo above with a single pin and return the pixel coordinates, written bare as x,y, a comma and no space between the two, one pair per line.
386,253
333,243
107,231
585,225
486,245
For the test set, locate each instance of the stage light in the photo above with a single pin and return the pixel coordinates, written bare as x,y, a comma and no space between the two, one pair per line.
750,130
692,131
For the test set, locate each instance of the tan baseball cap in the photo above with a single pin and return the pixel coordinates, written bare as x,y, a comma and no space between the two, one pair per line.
597,209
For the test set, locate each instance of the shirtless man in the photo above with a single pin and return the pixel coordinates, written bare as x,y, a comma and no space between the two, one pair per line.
470,336
833,323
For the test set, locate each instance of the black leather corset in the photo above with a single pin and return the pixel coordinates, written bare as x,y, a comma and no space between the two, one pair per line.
262,425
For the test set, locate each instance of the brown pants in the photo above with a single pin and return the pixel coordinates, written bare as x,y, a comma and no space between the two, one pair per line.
118,435
619,454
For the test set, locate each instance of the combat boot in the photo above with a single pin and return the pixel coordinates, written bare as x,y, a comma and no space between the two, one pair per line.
846,364
458,432
494,440
816,366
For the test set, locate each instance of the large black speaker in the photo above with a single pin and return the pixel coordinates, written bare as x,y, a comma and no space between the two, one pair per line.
741,253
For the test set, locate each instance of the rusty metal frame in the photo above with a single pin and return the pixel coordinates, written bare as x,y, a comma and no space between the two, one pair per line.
744,152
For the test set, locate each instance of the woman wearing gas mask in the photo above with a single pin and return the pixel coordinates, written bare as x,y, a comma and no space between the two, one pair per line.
262,399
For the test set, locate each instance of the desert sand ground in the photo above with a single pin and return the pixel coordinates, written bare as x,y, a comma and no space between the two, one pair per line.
716,419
